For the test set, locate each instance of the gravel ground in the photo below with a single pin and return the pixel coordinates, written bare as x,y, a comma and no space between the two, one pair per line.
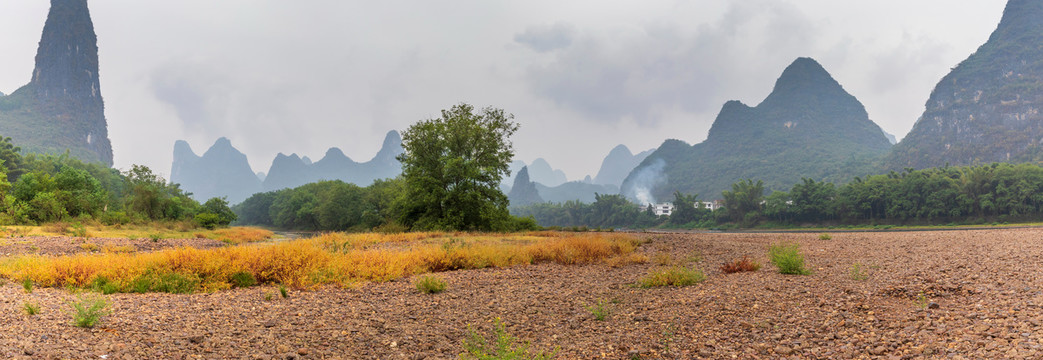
939,294
66,245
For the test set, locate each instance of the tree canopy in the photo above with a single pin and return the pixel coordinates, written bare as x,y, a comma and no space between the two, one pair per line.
452,167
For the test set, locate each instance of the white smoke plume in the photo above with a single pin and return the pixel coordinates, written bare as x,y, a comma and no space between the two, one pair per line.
645,180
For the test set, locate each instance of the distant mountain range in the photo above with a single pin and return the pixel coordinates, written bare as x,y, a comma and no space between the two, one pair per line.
61,108
988,108
224,171
809,126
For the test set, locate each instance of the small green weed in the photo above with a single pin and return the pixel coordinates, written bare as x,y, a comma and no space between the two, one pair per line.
283,291
788,259
857,272
173,283
27,285
672,276
601,310
268,296
87,311
429,284
30,308
78,230
243,279
922,301
825,236
501,347
103,285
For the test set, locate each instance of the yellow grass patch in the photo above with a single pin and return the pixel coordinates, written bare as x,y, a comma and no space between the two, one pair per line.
159,230
341,259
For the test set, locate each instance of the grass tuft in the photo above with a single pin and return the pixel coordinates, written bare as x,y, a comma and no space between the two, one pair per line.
30,308
672,276
787,257
429,284
88,310
857,272
501,346
243,279
825,236
283,291
601,310
27,285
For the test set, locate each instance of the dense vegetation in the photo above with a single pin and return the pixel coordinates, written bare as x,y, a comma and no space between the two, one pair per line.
47,188
987,108
998,192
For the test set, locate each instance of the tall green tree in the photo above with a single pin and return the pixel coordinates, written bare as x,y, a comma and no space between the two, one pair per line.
453,165
743,202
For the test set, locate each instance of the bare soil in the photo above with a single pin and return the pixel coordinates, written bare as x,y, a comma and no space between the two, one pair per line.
941,294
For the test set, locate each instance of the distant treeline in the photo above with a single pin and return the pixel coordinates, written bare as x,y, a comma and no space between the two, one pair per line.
998,192
47,188
337,206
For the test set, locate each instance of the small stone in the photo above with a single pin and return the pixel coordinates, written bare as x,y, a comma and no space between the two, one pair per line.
302,351
195,339
879,350
933,305
783,350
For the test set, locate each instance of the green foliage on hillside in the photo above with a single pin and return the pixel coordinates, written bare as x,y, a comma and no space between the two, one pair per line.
49,188
987,108
808,127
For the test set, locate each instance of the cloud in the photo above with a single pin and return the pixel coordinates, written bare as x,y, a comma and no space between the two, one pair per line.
547,38
642,72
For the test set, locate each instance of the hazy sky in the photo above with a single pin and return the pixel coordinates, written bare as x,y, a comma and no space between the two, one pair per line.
580,76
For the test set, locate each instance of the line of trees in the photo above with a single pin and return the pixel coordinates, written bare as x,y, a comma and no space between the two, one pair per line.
998,192
38,189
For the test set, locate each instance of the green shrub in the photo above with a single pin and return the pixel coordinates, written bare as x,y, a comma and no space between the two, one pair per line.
77,229
857,273
788,259
283,291
87,311
103,285
30,308
501,347
243,279
825,236
673,276
600,310
27,285
114,218
173,283
428,284
209,220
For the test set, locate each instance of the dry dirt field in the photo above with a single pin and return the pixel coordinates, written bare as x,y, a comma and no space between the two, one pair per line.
974,294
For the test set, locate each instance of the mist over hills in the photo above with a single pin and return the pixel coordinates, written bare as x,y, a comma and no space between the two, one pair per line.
293,171
224,171
988,108
809,126
618,164
61,108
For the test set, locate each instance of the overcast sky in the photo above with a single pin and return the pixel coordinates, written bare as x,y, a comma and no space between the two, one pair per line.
580,76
